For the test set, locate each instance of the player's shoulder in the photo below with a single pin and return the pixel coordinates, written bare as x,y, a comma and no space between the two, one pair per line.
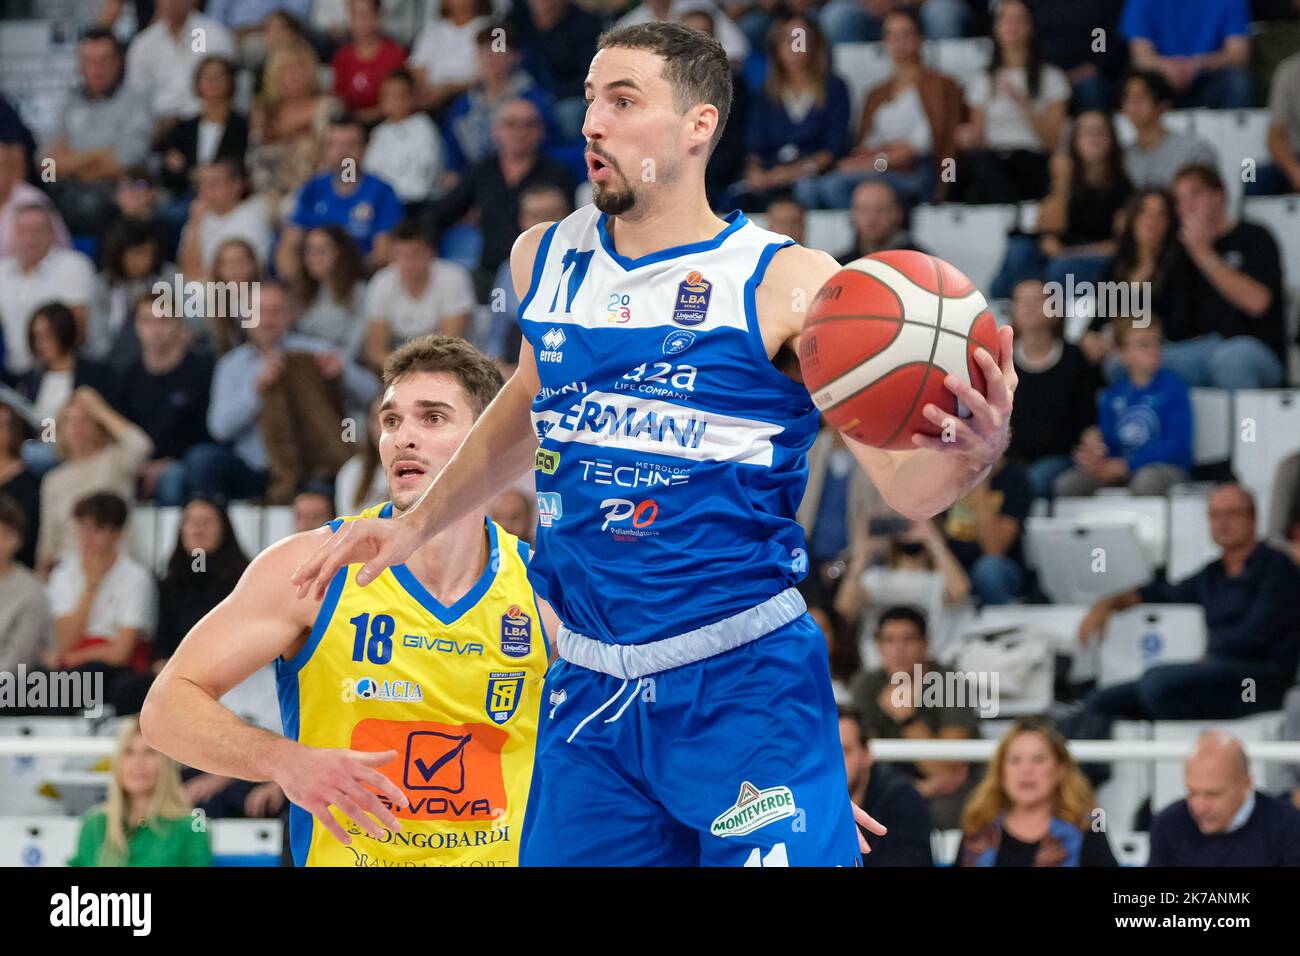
793,277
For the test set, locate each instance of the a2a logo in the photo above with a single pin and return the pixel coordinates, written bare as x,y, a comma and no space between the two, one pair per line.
658,376
641,515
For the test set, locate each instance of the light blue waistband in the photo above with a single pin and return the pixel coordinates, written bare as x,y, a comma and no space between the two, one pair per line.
632,661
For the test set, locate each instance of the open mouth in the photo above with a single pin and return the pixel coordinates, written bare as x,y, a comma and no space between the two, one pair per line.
408,471
595,165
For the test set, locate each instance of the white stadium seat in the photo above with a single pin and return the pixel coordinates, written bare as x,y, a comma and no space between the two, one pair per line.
1149,516
1130,781
246,519
277,524
830,230
1179,121
1266,429
1079,561
1211,425
21,778
142,534
37,841
1169,780
1060,622
959,58
167,529
1237,136
1148,635
972,238
1131,849
861,66
241,842
1281,214
1190,544
943,846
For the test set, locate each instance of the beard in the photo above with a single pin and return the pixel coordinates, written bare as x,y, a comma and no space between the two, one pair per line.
613,201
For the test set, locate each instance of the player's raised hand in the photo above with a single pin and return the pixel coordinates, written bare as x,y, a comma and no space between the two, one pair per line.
863,819
317,778
377,543
982,438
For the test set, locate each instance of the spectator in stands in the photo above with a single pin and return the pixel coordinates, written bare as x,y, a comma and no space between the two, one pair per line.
799,121
841,649
1068,38
138,199
331,290
1145,257
280,400
1077,219
146,820
1157,154
1034,806
219,131
313,506
1202,52
166,392
1284,506
906,130
289,125
19,483
493,185
1056,389
419,294
361,481
726,31
57,371
513,510
223,210
329,20
1017,108
406,149
101,451
342,195
865,21
361,64
1282,175
235,264
249,19
896,706
164,56
500,79
500,339
102,129
103,602
877,218
447,55
558,38
17,143
1224,820
26,628
985,531
15,193
1253,634
886,794
1227,322
1143,436
204,568
727,163
39,272
786,217
133,265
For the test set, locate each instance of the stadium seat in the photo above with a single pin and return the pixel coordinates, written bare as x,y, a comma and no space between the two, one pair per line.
277,524
246,519
1150,517
167,528
1266,430
1060,622
246,842
1130,783
1179,121
1148,635
1131,849
862,66
972,238
943,846
830,230
21,778
1169,780
37,841
1237,135
142,534
1190,544
959,58
1065,553
1211,425
1281,214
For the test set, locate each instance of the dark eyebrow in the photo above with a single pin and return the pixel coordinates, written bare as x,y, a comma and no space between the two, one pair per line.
615,84
389,405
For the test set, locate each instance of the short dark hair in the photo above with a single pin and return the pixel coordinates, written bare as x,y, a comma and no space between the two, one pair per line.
402,75
62,323
907,13
11,515
865,730
1122,326
348,121
96,34
411,229
221,61
1205,173
477,373
902,613
18,429
1160,89
695,65
488,32
102,508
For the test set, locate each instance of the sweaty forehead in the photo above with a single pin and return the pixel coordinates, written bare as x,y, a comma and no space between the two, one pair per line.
615,64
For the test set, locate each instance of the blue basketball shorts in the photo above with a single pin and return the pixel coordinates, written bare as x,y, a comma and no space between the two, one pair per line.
733,760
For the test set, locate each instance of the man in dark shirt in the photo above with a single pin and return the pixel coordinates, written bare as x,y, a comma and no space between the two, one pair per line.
1224,820
1225,322
886,794
1249,597
559,39
984,531
493,185
877,218
166,393
1066,38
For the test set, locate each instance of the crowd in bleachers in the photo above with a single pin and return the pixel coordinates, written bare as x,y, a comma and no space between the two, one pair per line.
352,173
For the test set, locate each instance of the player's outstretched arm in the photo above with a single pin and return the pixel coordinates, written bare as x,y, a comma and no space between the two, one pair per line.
498,449
924,481
183,716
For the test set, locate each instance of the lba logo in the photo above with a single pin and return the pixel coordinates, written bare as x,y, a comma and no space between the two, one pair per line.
553,342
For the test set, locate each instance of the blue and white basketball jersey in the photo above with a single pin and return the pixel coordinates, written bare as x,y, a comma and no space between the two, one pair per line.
673,453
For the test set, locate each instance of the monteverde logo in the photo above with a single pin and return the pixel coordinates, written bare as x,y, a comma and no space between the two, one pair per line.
753,809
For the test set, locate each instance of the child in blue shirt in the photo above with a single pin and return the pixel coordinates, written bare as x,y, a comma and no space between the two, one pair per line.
1143,438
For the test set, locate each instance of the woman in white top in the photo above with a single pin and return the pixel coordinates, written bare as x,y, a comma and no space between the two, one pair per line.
1018,107
331,291
444,58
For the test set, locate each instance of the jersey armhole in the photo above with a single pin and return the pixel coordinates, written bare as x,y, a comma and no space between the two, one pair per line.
754,332
539,266
289,668
524,554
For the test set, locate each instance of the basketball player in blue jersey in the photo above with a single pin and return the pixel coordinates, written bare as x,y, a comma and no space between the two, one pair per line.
690,718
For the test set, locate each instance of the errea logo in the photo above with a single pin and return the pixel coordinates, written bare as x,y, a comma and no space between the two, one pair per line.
553,341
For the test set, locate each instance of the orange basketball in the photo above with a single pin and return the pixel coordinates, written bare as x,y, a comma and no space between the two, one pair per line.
881,336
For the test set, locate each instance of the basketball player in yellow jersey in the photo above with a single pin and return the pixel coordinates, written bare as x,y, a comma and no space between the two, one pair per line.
410,707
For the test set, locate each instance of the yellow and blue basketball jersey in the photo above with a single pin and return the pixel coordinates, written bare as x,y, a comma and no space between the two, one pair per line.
454,691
